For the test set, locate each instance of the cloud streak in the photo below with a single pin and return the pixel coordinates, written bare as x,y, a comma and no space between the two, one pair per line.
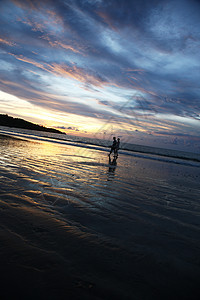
92,57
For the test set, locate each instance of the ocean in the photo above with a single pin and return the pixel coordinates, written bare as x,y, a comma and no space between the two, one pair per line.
76,225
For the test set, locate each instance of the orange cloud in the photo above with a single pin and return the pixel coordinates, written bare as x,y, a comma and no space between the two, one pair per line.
30,61
6,42
50,19
75,73
35,26
55,18
60,44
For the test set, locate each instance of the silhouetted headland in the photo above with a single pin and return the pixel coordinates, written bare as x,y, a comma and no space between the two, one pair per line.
9,121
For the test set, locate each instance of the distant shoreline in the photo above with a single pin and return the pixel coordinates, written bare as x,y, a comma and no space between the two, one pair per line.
9,121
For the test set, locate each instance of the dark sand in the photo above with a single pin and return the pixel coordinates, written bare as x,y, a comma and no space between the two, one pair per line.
73,227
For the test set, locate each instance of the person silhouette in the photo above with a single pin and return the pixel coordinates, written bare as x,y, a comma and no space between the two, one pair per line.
117,146
114,145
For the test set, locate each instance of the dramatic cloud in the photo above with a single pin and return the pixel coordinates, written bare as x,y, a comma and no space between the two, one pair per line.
135,64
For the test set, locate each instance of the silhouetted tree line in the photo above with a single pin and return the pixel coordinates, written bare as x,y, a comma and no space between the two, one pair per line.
8,121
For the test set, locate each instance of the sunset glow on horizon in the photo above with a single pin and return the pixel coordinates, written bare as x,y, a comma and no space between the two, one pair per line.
97,68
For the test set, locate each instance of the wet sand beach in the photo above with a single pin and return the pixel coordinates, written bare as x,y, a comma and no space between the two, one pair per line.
73,226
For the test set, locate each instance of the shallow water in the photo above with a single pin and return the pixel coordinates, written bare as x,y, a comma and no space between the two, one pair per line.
104,145
94,230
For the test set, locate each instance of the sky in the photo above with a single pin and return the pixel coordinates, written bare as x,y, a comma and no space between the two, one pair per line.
100,68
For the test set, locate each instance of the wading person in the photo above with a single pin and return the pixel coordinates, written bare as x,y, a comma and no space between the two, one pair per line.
117,146
114,146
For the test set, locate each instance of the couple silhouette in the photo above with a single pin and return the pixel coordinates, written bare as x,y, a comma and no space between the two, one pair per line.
115,147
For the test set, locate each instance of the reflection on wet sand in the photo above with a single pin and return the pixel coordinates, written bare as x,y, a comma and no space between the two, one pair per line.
78,226
112,166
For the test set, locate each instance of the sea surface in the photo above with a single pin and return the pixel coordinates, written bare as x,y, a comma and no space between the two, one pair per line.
76,225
